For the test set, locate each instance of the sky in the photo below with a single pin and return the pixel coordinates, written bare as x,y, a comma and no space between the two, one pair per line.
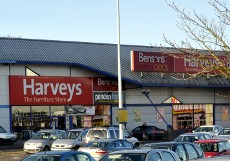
142,22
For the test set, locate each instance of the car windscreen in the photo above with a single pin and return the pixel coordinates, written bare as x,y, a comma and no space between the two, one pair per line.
41,135
41,158
204,129
126,157
2,130
97,133
68,135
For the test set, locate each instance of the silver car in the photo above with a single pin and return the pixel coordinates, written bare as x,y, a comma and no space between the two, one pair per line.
98,148
110,133
211,129
42,140
70,140
224,134
141,155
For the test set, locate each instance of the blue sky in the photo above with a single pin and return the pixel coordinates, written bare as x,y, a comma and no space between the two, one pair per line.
142,22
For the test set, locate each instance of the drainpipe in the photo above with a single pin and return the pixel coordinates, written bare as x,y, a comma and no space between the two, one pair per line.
169,127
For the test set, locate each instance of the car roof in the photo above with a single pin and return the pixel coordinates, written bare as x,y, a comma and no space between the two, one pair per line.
106,140
209,125
134,151
50,130
194,134
211,141
79,129
104,128
167,143
56,152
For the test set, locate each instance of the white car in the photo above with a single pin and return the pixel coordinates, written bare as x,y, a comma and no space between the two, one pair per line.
224,134
6,137
111,133
211,129
70,140
42,140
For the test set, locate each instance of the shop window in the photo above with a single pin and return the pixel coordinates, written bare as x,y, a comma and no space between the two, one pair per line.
57,110
191,116
40,117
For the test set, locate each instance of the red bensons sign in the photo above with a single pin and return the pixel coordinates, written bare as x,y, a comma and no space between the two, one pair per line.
151,62
47,90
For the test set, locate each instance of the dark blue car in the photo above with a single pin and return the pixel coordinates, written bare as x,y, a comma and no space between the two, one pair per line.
59,156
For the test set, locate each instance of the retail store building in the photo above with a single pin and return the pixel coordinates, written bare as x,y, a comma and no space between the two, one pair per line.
59,84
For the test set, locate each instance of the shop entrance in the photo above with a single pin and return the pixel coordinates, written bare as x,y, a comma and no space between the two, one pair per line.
188,117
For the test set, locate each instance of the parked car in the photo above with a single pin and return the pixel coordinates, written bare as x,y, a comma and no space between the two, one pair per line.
141,155
216,158
111,133
98,148
147,132
214,147
192,137
70,140
212,129
7,137
224,134
42,140
185,150
60,156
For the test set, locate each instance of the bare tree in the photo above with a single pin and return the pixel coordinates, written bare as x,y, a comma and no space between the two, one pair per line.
209,36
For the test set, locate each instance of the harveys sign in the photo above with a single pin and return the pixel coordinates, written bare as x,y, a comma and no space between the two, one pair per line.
50,90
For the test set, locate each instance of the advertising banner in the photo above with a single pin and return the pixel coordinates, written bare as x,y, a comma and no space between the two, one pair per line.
175,63
137,115
46,90
224,113
107,97
151,62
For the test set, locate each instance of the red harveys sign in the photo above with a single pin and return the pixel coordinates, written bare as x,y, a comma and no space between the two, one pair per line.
177,63
50,90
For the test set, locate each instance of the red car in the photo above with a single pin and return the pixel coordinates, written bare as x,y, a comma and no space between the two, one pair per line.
214,147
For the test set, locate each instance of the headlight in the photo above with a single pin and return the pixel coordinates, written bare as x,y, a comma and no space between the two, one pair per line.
39,145
69,146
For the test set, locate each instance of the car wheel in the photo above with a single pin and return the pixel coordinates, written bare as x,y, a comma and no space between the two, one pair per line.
1,142
146,137
46,148
76,147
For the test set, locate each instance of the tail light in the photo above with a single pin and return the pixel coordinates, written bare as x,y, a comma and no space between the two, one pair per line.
101,152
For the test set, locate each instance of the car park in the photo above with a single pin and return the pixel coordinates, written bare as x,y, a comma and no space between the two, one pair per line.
98,148
146,132
7,137
192,137
111,133
211,129
70,140
224,134
59,156
42,140
184,150
214,147
141,155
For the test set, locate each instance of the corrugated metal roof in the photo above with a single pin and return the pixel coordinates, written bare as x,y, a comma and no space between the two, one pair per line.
99,57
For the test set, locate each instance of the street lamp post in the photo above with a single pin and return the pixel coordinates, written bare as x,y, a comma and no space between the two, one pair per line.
119,68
